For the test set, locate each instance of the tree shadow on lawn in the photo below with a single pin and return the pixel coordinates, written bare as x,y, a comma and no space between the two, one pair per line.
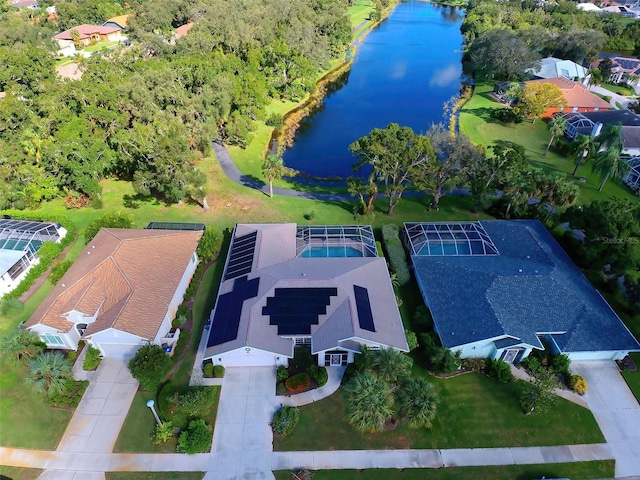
485,114
133,201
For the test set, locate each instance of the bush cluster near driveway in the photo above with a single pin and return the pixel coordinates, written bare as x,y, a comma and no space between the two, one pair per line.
473,411
575,471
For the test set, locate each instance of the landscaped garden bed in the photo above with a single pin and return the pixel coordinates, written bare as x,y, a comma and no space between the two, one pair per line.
302,374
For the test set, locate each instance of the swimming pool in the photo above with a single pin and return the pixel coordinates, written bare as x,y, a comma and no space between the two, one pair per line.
461,248
332,251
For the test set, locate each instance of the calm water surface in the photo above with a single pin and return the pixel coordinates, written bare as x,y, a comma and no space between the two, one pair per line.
403,72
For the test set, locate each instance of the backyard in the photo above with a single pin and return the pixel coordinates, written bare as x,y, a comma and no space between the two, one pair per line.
473,411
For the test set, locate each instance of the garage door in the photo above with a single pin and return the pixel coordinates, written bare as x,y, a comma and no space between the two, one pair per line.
251,359
119,350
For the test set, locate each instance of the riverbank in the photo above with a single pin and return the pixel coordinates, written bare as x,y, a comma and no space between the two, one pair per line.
249,160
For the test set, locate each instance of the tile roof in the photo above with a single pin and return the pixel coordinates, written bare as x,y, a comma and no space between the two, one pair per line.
276,265
575,93
182,30
120,20
128,276
86,31
530,288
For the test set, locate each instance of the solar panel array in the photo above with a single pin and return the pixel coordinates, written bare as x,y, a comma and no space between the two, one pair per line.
294,310
226,319
363,305
241,257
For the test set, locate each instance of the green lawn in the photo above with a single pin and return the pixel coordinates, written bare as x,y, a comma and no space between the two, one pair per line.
26,421
359,12
575,471
99,46
19,473
477,123
633,378
473,411
624,91
154,475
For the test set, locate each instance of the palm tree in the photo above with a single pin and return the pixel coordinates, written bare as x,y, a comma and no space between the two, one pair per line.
48,372
417,402
391,365
272,168
17,346
369,402
609,164
582,149
557,126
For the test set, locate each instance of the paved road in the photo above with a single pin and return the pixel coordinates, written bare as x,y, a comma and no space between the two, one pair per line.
624,101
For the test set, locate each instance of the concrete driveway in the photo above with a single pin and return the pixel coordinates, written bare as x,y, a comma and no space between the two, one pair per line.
616,411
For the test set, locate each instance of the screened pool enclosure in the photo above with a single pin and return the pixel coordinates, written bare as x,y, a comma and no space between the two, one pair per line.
448,239
335,241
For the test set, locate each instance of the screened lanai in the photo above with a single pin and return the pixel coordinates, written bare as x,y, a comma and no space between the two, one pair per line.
448,239
335,241
25,235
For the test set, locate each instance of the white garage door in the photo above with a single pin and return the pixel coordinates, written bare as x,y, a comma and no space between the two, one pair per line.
252,359
119,350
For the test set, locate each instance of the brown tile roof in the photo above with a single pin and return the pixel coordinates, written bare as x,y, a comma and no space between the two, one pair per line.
182,30
85,31
575,93
129,276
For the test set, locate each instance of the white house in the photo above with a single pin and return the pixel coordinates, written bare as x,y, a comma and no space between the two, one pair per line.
20,241
552,67
499,288
285,286
122,292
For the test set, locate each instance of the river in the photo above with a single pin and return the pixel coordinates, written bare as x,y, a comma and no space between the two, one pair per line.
403,72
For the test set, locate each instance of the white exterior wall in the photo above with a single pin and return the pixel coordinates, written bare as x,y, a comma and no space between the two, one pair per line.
70,342
606,355
165,326
249,357
7,284
482,348
116,343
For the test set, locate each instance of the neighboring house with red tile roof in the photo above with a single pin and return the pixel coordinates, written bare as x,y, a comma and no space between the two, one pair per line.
122,292
88,34
182,30
578,98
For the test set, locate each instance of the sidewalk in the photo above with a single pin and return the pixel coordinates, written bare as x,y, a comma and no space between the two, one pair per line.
333,383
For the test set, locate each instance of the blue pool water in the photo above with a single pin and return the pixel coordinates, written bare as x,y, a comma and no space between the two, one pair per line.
19,244
445,249
332,252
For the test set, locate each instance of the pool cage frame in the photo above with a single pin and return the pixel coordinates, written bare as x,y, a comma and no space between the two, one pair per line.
419,236
359,237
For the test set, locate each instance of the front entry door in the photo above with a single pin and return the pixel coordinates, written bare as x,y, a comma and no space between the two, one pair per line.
510,355
336,359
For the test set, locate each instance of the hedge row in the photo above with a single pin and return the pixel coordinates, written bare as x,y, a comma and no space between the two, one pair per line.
48,251
395,252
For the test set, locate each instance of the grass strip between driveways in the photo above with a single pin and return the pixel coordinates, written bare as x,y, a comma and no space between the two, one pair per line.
154,475
575,471
474,411
19,473
633,378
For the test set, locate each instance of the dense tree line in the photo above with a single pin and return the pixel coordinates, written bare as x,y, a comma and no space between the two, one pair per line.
505,38
142,113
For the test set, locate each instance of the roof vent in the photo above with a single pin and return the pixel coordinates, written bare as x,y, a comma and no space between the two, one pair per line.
520,270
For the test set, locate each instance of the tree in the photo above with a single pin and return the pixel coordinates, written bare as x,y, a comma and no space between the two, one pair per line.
538,395
536,97
417,401
582,149
397,157
453,153
110,220
369,402
502,54
391,365
632,285
272,168
607,160
196,438
18,346
606,67
48,372
209,245
150,366
557,126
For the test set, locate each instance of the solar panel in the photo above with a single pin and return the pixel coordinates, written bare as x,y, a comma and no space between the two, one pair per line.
294,310
241,256
226,318
365,317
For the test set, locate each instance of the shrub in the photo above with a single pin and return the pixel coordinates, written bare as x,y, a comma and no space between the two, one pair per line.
162,433
208,370
58,270
319,374
422,321
578,384
412,339
560,364
196,438
183,311
72,355
475,364
500,370
281,389
506,115
302,359
395,251
531,363
274,120
150,366
282,373
218,371
10,307
196,402
110,220
179,321
439,359
70,395
209,245
285,420
92,359
298,383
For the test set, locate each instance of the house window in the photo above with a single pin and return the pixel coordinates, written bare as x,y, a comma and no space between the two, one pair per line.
303,341
194,258
81,327
50,339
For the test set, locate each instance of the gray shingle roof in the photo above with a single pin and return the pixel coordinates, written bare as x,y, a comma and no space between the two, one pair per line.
530,288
